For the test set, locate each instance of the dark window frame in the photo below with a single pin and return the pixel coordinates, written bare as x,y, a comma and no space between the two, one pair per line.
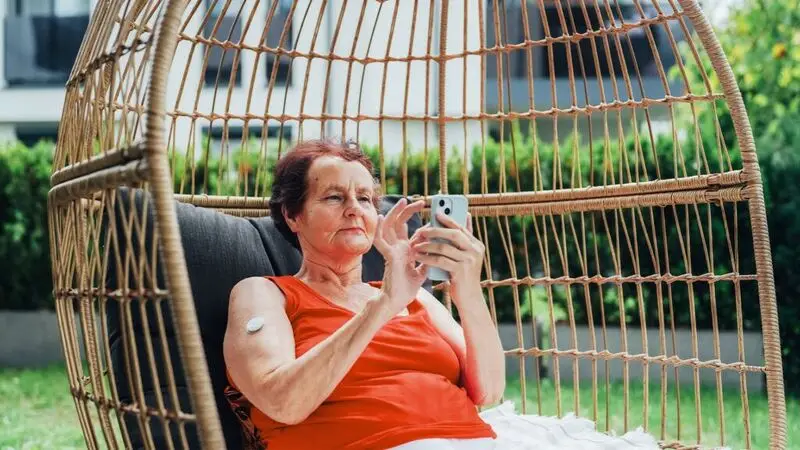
219,66
40,48
283,76
235,132
516,62
220,61
31,134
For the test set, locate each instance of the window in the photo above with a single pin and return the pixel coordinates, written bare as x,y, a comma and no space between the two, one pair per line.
42,39
228,24
283,74
512,31
235,132
31,134
642,54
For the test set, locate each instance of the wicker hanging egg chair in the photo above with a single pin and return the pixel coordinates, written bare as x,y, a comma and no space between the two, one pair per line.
546,113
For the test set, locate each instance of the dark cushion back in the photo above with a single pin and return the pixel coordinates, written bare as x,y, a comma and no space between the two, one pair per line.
220,251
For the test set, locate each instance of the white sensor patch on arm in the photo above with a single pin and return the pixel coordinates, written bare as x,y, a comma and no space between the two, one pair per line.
255,324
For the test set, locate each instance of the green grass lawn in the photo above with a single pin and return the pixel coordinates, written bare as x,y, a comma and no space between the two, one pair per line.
37,412
611,415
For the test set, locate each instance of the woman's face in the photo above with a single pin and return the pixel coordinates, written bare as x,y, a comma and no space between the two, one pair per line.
338,217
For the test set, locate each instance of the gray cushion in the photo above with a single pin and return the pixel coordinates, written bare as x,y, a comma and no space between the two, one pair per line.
220,251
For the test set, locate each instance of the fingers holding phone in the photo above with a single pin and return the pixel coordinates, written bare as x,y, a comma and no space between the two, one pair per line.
446,245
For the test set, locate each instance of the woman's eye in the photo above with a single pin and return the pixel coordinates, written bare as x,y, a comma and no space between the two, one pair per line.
334,197
366,199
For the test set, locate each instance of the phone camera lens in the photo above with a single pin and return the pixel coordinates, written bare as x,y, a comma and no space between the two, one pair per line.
447,211
441,202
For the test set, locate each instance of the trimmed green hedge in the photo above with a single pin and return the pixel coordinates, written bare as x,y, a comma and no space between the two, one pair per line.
25,282
520,152
24,241
762,46
25,275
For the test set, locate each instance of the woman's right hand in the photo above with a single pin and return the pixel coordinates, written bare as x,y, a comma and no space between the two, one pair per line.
402,278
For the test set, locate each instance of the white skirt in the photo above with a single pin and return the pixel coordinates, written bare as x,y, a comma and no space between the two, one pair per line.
523,432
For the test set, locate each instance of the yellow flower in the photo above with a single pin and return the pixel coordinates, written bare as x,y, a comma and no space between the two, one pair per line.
779,50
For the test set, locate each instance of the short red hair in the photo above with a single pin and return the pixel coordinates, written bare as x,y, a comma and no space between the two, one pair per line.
290,182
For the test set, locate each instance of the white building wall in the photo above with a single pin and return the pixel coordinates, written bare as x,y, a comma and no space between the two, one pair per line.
463,76
354,89
401,88
308,76
31,104
7,133
182,93
43,104
365,92
252,98
71,7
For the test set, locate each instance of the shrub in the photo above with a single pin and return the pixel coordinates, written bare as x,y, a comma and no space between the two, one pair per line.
225,174
523,153
761,41
25,273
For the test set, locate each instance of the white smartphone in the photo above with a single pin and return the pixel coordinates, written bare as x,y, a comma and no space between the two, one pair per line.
455,207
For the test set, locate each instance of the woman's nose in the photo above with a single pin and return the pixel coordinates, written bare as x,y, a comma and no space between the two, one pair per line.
353,208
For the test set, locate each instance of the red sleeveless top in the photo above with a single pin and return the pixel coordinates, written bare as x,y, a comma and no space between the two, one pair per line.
402,388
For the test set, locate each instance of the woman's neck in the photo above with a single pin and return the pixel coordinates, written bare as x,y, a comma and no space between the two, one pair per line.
341,274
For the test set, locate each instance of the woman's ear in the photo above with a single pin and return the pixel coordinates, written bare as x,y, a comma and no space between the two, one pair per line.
291,222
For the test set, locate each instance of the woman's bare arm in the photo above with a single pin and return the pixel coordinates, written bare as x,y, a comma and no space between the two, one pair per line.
263,364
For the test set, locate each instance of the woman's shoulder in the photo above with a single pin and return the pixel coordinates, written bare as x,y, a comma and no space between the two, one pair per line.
280,280
257,290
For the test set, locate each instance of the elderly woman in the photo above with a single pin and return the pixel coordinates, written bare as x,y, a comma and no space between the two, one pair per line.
331,362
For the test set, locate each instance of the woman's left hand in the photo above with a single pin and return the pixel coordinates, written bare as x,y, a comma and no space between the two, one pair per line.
462,256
